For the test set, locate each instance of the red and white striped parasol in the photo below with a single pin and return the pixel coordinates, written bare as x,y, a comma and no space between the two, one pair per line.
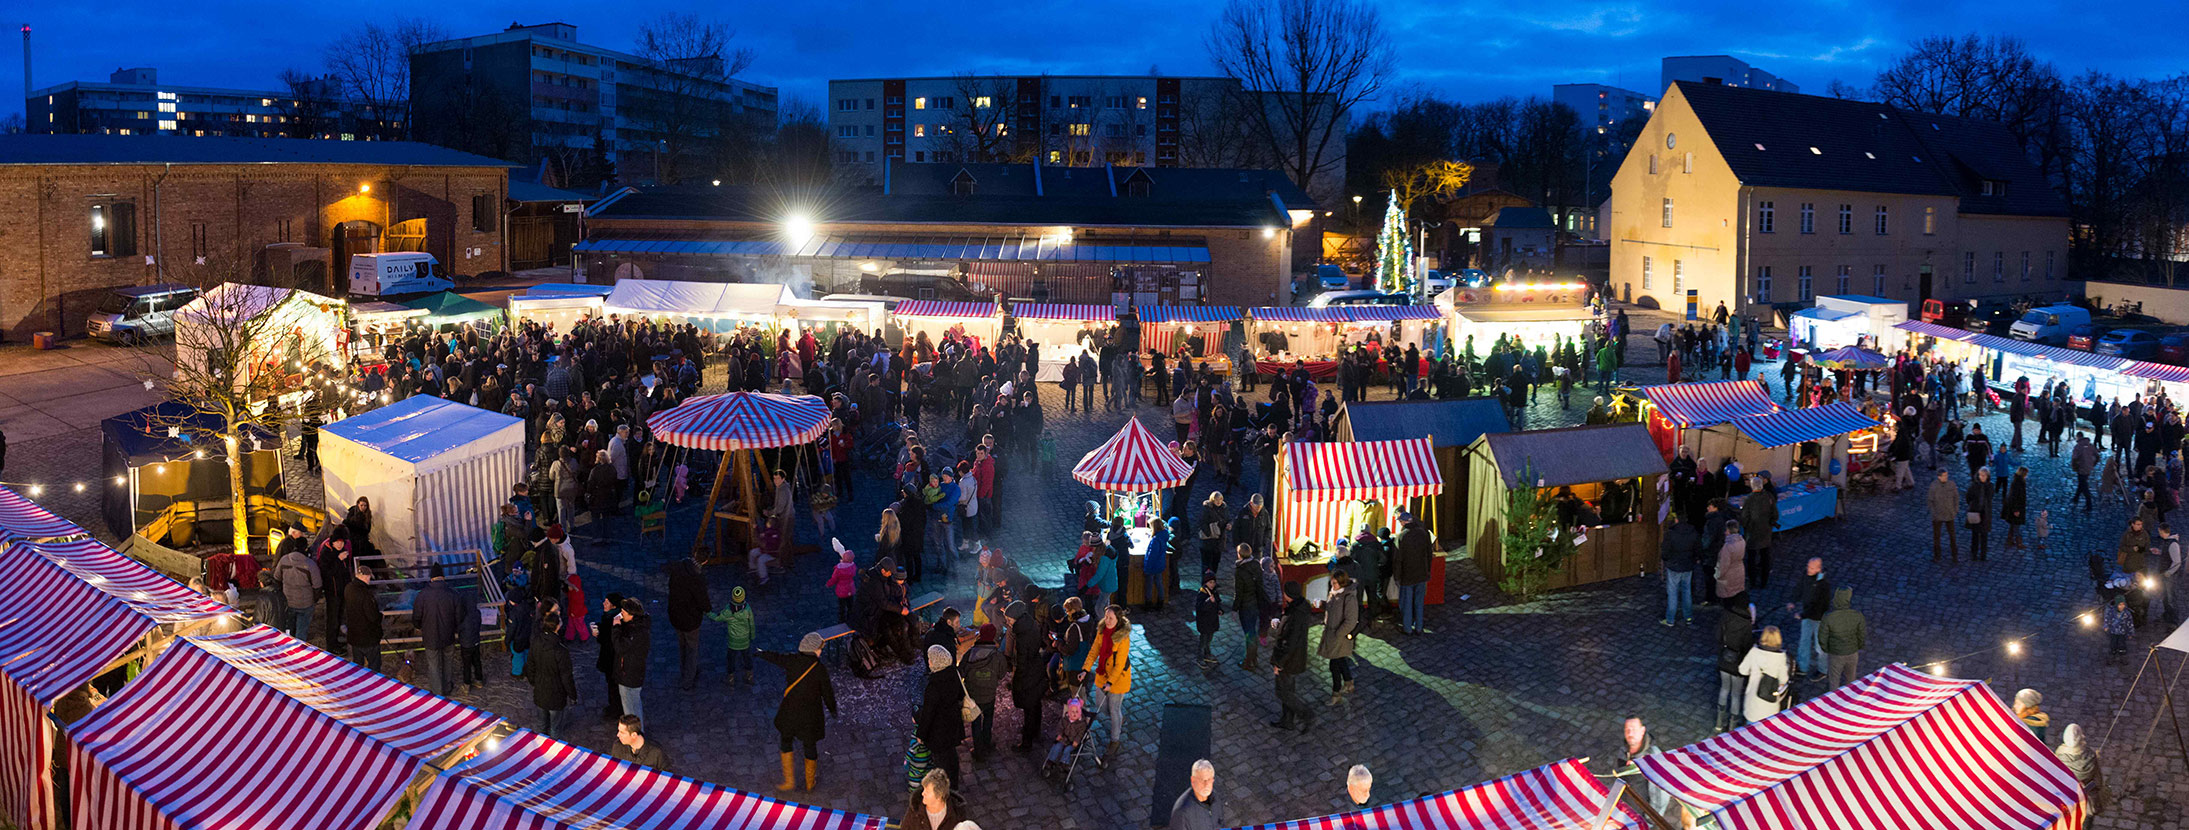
1133,460
742,421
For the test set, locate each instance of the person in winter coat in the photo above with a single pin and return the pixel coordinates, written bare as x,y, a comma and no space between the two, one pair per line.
1677,553
1769,677
334,573
1246,601
738,624
1842,635
1341,621
1736,634
1215,522
1208,615
363,611
940,723
1371,565
935,807
1979,504
300,582
569,488
2016,508
2082,760
688,607
843,580
983,668
547,667
1107,673
1759,519
604,661
438,612
1026,646
603,493
1945,506
1288,659
1732,573
1415,550
798,718
634,643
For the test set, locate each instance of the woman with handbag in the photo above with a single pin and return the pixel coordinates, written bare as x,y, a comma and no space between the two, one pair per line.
1768,672
1978,499
798,717
944,706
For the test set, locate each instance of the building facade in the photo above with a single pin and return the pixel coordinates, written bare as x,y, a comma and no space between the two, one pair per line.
533,93
961,231
1720,69
96,212
1603,107
1767,199
134,102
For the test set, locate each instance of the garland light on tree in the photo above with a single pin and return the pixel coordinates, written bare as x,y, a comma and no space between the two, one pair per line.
1394,251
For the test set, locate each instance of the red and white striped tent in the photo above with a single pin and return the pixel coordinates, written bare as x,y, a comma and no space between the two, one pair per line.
742,421
326,744
1159,324
1319,483
68,612
1560,796
535,783
1065,312
935,317
1898,748
23,520
1132,461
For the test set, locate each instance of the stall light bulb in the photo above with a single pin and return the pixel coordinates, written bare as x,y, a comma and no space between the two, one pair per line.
120,481
1939,670
36,491
198,453
2014,648
2088,620
79,487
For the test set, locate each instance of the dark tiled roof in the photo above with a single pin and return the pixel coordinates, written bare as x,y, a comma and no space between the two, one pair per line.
1767,138
1576,455
868,206
1164,183
1511,218
163,149
1453,423
535,192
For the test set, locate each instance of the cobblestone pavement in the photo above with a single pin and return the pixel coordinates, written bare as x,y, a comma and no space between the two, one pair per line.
1499,686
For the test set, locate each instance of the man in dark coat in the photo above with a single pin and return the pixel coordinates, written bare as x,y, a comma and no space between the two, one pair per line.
940,723
547,666
438,613
1759,520
885,619
1288,657
1413,568
1029,671
806,690
688,607
362,612
1246,600
604,633
634,642
334,569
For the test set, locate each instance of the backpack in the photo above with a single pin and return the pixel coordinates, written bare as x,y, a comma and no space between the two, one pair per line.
861,657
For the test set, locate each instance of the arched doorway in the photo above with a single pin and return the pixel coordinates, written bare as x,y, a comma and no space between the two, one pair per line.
407,235
629,271
357,236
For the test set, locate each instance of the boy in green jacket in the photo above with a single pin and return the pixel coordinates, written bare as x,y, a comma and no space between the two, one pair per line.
737,617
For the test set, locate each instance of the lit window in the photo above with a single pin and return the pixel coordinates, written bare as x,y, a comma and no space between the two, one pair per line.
919,103
1082,129
982,102
1687,163
919,130
1143,103
1930,220
1679,278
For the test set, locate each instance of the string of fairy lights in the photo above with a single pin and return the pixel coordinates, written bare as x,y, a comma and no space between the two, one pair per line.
2014,646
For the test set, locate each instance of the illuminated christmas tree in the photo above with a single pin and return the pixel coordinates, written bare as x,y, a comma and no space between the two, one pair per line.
1394,251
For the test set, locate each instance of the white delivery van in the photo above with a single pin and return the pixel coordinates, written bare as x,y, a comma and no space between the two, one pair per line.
385,275
2050,324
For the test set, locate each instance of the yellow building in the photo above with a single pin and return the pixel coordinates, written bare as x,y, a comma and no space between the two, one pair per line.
1750,197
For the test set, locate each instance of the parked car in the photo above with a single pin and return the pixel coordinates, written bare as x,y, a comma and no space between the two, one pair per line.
2084,337
1996,320
2174,348
1954,314
2130,343
1332,278
2050,324
1474,277
1331,298
397,274
133,315
1435,282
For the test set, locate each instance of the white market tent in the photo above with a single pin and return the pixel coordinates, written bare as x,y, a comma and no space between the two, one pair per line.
558,305
707,304
436,471
284,330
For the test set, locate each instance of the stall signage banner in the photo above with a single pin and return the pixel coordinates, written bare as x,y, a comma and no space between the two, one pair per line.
1694,301
1797,509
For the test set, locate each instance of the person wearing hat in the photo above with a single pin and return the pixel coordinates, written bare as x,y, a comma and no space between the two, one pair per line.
688,607
940,722
2027,703
737,618
634,639
798,718
1288,660
1028,650
547,667
883,617
983,667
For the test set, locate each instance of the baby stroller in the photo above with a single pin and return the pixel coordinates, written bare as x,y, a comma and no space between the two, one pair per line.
1070,744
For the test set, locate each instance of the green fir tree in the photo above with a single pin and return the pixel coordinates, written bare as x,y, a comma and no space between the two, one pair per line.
1394,251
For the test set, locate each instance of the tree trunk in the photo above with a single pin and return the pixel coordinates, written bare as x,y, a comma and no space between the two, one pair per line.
238,500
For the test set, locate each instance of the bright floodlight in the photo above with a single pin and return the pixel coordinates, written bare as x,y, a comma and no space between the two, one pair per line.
798,228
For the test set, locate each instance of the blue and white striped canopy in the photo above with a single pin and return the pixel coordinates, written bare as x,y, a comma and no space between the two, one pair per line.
1794,426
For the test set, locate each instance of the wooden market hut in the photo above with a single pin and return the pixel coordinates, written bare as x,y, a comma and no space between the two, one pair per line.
1453,425
1587,459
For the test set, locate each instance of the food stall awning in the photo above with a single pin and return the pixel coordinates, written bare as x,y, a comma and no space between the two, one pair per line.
697,299
1188,313
962,248
1710,404
2041,351
1133,461
944,309
1345,313
1934,330
1576,455
449,305
2156,371
1524,315
1826,314
1560,796
1300,314
1386,313
385,309
565,289
1065,312
1794,426
23,520
1348,470
1898,748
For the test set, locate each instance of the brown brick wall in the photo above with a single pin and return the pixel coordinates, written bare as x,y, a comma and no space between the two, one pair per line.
49,281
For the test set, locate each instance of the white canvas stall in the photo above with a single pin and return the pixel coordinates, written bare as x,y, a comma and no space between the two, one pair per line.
436,471
695,301
286,329
560,312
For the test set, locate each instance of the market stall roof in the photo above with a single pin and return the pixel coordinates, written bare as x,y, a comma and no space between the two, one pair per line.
1575,455
383,308
1345,313
961,248
1524,314
695,299
2041,351
1897,748
141,434
1065,312
449,305
536,783
1851,357
137,763
1826,314
944,308
1133,461
565,289
1710,404
1453,423
1188,313
1560,796
1349,470
741,421
420,428
1794,426
1934,330
2156,371
232,303
23,520
1386,313
71,608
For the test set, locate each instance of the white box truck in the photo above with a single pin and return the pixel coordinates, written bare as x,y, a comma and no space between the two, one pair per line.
388,275
2050,324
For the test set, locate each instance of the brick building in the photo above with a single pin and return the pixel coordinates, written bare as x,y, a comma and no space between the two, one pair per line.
92,212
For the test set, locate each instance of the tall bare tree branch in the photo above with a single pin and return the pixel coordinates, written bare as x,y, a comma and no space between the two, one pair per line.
1306,64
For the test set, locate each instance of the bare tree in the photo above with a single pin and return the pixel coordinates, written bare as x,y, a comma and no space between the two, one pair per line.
1985,78
1307,64
11,123
1429,179
372,65
1213,131
981,122
684,95
309,111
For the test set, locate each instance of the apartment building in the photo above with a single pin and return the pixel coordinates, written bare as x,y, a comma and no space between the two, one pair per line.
1720,69
1603,107
1760,199
534,92
134,102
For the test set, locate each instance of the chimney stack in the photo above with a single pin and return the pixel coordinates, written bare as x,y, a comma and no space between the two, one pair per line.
26,64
